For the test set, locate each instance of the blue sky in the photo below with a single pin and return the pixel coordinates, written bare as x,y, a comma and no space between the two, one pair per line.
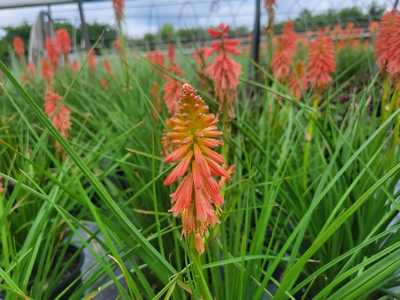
144,16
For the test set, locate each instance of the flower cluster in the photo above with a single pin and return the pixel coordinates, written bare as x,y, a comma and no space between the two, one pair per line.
191,137
321,63
284,52
58,113
54,106
156,58
47,70
107,67
269,3
92,61
52,51
19,47
119,6
224,71
63,42
387,46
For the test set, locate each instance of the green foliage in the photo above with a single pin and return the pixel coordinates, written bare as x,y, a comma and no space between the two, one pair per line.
291,227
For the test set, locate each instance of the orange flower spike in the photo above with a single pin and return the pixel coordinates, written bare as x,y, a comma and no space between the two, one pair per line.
387,45
107,67
62,121
50,102
283,55
104,84
172,92
47,70
191,133
156,58
92,61
224,71
269,4
119,6
52,51
58,113
19,47
321,63
63,41
171,53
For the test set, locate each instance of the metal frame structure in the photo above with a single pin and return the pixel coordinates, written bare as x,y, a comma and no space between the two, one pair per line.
10,4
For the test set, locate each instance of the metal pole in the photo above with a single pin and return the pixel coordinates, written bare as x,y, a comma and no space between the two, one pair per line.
49,10
255,50
84,29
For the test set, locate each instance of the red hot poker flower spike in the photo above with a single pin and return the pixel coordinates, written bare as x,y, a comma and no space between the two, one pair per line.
221,31
156,58
58,113
19,47
283,55
107,67
269,3
52,50
387,45
224,71
63,41
192,137
92,61
119,6
47,70
321,63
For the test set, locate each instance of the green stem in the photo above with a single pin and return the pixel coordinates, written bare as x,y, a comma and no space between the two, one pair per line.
386,92
199,277
308,140
4,235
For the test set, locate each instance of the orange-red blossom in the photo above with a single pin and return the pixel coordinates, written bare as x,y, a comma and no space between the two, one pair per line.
283,56
224,71
387,45
191,136
321,63
119,6
58,112
19,46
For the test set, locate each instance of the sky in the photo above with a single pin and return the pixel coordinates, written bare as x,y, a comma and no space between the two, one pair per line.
143,16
